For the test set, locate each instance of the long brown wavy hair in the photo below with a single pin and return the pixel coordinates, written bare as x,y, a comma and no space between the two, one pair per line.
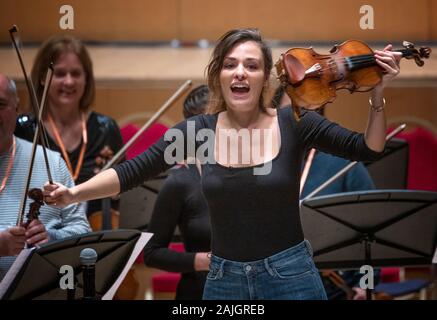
224,45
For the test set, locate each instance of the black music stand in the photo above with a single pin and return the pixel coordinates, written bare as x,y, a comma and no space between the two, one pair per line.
391,170
136,205
35,274
377,228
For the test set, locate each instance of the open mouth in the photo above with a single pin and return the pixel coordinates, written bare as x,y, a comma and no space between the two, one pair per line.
240,88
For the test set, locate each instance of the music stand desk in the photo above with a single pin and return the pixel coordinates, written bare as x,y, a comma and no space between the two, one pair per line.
35,273
378,227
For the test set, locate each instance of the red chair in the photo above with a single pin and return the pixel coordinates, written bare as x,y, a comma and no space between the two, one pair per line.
389,275
149,137
422,171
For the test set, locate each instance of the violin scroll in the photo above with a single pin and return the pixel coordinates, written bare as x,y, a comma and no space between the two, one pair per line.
38,200
103,158
417,55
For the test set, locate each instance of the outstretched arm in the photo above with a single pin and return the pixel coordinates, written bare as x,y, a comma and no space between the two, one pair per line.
131,173
103,185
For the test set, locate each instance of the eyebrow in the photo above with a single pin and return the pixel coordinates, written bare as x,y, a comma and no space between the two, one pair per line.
250,59
67,68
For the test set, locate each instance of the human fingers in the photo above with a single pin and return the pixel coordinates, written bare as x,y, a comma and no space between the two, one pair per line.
38,238
17,231
34,227
36,234
387,68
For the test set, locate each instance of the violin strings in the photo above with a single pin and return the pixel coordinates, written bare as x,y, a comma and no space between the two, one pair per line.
365,60
362,61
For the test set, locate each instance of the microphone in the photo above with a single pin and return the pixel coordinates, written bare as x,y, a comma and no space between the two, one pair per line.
88,258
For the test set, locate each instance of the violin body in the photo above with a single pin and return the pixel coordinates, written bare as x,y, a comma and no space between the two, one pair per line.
312,79
315,78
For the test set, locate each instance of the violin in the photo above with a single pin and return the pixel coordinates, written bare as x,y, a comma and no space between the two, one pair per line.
38,200
312,79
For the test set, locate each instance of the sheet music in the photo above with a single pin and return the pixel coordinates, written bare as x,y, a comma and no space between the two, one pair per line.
142,241
13,270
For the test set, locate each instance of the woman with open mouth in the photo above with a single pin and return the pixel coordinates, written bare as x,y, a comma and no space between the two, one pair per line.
251,179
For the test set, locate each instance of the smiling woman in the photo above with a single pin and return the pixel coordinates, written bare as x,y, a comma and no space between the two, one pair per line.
80,135
252,60
242,78
258,246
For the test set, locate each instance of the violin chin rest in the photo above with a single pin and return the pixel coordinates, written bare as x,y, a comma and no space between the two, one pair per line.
295,69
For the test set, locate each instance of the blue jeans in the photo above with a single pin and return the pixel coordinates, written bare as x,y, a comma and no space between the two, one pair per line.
287,275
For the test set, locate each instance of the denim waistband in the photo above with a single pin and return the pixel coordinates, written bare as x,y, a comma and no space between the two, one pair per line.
295,253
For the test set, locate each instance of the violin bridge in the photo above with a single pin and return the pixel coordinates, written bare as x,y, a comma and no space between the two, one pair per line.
314,70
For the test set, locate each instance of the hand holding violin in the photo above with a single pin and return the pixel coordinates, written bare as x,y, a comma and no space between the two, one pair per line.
36,233
12,241
389,61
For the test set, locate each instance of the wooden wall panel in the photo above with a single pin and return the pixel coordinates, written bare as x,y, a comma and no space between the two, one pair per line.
432,13
303,21
100,20
188,20
351,110
130,20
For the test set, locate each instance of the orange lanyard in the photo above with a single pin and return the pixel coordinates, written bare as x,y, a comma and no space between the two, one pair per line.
61,145
306,169
9,167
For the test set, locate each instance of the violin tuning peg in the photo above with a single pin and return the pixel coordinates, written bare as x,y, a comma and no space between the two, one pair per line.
35,194
419,61
334,48
407,44
425,52
99,161
106,152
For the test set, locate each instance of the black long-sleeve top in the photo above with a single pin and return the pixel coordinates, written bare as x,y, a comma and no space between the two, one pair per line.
181,203
253,216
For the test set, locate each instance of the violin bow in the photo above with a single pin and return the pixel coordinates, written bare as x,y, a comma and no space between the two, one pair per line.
182,89
39,127
33,100
349,166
